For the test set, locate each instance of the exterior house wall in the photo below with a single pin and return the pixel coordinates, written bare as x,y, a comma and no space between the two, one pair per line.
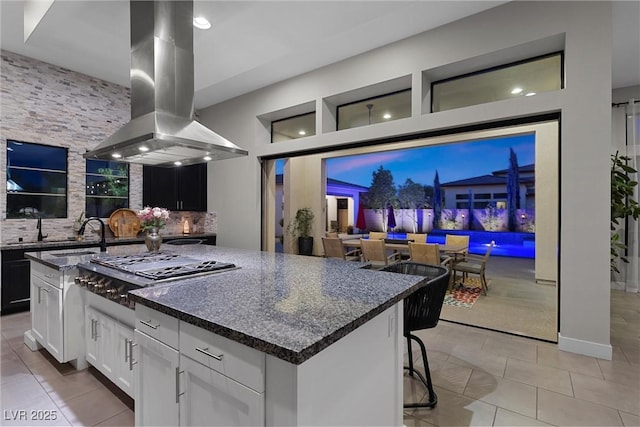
584,105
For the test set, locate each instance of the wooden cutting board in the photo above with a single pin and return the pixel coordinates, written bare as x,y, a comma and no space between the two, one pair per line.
124,223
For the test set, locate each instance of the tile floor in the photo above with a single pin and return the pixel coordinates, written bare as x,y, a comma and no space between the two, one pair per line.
482,378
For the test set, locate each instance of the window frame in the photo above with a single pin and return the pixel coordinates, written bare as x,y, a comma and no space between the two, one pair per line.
373,98
498,68
64,171
97,196
315,131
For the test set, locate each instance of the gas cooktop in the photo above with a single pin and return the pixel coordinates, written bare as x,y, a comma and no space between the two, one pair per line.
161,265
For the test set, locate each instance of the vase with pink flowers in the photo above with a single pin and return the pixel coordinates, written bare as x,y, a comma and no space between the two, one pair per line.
151,221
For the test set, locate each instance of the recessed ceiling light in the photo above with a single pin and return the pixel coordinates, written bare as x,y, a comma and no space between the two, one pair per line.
386,116
177,163
116,155
201,23
530,94
302,132
143,148
516,90
207,158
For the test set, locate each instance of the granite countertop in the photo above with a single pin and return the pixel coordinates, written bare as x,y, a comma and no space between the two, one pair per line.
289,306
93,241
67,259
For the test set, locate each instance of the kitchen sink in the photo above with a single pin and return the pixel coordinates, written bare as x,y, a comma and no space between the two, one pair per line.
77,253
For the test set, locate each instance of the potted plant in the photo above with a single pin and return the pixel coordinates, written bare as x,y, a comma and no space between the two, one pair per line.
622,204
301,227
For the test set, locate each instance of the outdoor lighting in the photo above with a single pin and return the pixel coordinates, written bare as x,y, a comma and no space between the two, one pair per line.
143,148
177,163
206,158
116,155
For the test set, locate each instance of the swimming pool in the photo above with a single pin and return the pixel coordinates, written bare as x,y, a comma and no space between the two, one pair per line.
517,245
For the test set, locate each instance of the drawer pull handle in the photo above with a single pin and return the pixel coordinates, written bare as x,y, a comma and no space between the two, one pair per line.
205,351
49,276
131,362
149,324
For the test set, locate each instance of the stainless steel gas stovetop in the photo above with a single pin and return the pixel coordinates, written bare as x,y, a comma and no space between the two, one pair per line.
161,265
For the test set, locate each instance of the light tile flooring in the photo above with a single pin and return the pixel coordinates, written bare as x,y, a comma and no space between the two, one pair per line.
482,378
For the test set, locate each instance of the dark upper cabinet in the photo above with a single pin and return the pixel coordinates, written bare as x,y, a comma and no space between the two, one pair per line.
178,189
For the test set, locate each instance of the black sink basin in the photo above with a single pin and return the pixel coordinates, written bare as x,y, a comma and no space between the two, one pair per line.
77,253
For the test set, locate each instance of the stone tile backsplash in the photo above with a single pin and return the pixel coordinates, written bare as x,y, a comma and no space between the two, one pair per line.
50,105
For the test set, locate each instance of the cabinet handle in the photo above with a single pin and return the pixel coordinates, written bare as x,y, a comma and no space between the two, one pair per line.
45,289
50,276
39,299
149,324
205,351
131,362
93,334
96,328
126,350
178,394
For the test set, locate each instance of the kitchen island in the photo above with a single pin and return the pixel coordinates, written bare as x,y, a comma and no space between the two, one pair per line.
281,340
320,342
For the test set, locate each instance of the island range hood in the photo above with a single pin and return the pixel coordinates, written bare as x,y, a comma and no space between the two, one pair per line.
163,130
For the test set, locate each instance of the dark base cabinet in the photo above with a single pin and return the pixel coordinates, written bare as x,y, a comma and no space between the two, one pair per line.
15,281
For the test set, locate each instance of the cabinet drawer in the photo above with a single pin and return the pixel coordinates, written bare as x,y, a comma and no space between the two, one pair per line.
237,361
158,325
47,274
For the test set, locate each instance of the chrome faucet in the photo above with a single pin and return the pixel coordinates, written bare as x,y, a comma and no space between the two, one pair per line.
39,227
103,242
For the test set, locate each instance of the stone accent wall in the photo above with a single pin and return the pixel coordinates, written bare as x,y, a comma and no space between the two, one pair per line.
47,104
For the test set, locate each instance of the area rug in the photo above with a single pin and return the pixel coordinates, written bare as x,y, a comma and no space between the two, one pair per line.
464,295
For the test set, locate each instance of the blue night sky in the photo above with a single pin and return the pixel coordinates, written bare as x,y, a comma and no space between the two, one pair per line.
453,161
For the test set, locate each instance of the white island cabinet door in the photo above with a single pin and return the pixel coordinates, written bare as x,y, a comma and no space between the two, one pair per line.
156,378
90,335
123,364
210,398
38,309
53,338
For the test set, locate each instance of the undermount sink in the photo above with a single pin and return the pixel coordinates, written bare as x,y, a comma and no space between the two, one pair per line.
77,253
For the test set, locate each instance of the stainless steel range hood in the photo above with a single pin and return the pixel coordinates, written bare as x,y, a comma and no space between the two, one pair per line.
163,130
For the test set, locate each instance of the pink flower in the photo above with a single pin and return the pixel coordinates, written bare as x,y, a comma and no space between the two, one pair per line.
152,217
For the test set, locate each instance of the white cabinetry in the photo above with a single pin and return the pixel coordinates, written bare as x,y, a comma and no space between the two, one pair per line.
223,381
109,341
156,369
56,313
189,376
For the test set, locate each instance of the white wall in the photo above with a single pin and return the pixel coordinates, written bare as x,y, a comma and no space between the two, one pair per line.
584,104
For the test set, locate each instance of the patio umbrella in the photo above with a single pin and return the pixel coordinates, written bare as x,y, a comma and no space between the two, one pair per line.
391,218
361,223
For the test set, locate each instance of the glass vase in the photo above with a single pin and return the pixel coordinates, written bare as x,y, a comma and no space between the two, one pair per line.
153,240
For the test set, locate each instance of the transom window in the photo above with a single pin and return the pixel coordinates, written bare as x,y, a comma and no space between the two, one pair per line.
294,127
519,79
36,180
379,109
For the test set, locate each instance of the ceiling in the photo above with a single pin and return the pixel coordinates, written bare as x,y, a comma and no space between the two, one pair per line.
253,44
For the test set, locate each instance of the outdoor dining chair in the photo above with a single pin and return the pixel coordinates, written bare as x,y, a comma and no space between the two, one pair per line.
429,253
458,240
374,252
417,237
475,264
377,235
333,248
422,311
332,234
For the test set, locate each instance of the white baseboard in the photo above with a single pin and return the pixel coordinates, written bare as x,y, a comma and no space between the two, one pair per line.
617,286
30,341
588,348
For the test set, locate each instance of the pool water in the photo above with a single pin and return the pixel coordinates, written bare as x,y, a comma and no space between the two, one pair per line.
517,245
